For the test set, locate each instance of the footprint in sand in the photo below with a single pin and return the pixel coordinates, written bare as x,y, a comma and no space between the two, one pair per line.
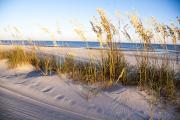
72,102
96,108
59,97
92,107
3,76
34,85
99,110
68,101
142,112
47,89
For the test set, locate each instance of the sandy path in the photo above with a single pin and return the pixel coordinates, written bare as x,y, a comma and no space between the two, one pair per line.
63,94
16,107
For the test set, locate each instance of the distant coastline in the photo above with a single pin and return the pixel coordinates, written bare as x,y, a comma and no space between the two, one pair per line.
89,44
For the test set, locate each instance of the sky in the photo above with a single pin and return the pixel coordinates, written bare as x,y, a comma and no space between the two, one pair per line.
31,15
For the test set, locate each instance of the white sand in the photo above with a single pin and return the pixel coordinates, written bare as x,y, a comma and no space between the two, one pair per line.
121,103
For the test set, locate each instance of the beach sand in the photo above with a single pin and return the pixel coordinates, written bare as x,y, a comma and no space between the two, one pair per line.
120,102
113,104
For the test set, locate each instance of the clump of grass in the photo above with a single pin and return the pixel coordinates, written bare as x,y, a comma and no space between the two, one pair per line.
113,67
85,72
145,36
177,81
119,68
57,65
159,78
3,54
34,60
132,75
46,65
167,79
68,64
154,75
17,56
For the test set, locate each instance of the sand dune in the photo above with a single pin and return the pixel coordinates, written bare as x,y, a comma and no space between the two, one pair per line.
113,104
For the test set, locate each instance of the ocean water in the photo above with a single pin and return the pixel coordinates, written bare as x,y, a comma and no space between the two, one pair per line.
81,44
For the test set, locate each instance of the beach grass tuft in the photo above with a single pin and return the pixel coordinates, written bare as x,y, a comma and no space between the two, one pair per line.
17,56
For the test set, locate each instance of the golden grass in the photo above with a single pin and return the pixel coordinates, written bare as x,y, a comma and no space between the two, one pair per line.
17,56
3,54
112,65
112,68
155,76
35,61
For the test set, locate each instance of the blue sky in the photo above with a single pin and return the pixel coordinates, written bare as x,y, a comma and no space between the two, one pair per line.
29,14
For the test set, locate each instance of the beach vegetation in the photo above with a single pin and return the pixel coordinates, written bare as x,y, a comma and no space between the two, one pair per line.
153,72
17,56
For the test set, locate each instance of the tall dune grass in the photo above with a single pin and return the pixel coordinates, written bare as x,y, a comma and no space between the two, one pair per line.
112,65
149,74
17,56
34,59
153,74
3,54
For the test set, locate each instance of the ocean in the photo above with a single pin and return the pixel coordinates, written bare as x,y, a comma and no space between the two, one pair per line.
81,44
